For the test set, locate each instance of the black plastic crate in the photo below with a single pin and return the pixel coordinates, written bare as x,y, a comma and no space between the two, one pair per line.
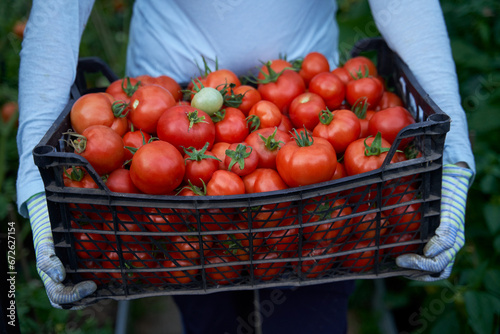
137,245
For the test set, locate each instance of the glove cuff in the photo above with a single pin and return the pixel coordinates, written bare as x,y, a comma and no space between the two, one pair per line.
460,174
39,220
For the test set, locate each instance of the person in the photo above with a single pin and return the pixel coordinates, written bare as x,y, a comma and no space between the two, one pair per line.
170,37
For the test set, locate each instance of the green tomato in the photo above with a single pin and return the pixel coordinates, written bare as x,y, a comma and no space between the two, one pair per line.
208,99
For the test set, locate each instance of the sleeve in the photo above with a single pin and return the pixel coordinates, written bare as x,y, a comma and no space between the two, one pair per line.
416,31
47,70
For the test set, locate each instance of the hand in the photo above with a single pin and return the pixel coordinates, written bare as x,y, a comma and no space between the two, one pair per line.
440,251
49,267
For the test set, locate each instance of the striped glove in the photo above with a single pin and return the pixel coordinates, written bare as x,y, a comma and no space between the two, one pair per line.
49,267
440,251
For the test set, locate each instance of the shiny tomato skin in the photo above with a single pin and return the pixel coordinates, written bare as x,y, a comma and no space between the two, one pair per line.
299,166
368,88
286,124
219,151
404,217
330,88
224,182
91,109
355,160
250,97
175,127
389,122
225,274
157,168
200,172
104,148
147,105
363,260
268,113
312,64
266,143
116,89
305,109
219,78
120,181
134,139
232,128
360,66
169,84
340,131
268,270
277,65
388,100
281,92
343,74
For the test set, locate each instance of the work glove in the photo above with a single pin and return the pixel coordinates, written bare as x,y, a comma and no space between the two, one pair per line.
49,267
440,251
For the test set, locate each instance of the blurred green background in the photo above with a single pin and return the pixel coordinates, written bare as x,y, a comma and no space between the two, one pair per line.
467,302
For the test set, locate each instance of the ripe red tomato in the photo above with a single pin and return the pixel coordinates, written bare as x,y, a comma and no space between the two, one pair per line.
306,160
9,109
339,171
230,125
126,222
219,151
305,109
169,84
147,105
222,77
389,122
163,220
343,74
368,88
277,65
91,109
250,97
360,66
185,126
331,232
224,182
266,143
102,147
282,89
132,140
330,88
285,241
223,274
157,168
120,181
264,114
340,128
388,100
241,159
286,124
366,154
312,64
200,165
114,261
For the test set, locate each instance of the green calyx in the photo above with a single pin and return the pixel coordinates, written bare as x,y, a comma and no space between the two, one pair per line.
270,142
193,118
77,173
325,116
230,98
253,123
238,156
376,148
130,89
198,155
120,109
218,115
303,139
360,107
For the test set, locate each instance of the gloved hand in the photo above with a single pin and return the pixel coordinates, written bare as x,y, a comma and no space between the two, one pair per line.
440,251
49,266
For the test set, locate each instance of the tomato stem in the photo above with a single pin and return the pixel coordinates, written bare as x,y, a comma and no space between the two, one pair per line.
270,142
198,155
193,118
376,148
360,107
238,156
120,108
130,89
253,123
218,115
79,144
303,139
77,173
325,116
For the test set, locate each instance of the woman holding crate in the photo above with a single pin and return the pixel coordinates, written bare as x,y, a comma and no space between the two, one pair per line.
165,38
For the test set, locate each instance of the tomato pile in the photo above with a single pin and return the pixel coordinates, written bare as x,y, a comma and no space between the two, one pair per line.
296,123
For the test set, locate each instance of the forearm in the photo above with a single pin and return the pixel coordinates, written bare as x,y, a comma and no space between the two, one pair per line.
49,58
416,30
